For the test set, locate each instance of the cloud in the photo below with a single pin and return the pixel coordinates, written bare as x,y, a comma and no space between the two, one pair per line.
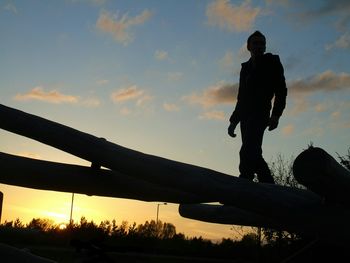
231,17
161,55
52,96
134,94
326,81
213,115
56,97
170,107
298,90
220,93
343,42
336,115
143,100
11,8
329,7
339,8
119,27
288,129
125,94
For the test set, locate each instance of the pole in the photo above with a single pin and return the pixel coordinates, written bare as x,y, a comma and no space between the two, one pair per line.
1,199
71,211
158,210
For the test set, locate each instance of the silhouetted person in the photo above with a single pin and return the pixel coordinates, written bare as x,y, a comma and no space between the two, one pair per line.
261,80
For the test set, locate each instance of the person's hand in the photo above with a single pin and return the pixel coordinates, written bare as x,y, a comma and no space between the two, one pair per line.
273,122
231,130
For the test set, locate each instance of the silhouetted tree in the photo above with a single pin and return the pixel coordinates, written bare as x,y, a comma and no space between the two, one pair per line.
109,235
148,229
345,160
249,240
106,227
132,230
18,224
282,171
41,224
168,231
122,229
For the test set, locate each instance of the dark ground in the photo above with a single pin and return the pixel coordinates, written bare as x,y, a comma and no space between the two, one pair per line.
68,255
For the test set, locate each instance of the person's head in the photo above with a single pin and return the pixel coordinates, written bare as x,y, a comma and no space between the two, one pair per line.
256,44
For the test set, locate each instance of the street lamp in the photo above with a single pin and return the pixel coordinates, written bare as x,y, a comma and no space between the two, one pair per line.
158,210
71,212
1,199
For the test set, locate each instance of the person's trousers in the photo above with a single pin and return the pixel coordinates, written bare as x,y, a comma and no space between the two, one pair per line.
251,159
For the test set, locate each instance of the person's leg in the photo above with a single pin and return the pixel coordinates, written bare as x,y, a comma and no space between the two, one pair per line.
263,172
251,160
246,165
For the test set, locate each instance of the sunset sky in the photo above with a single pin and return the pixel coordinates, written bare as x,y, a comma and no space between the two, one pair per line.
161,77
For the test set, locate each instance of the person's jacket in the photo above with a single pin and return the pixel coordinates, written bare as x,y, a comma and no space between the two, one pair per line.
257,86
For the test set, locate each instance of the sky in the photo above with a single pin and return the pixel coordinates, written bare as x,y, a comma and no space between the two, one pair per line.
161,77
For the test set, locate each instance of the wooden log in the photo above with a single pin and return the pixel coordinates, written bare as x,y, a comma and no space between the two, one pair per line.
265,199
322,174
226,214
329,223
45,175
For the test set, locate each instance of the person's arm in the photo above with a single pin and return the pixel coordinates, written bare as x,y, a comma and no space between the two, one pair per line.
236,115
280,89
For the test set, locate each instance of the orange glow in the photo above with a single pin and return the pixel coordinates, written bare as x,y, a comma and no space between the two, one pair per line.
62,226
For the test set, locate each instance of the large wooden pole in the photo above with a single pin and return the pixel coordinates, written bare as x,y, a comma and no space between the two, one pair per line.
329,223
45,175
226,214
208,184
322,174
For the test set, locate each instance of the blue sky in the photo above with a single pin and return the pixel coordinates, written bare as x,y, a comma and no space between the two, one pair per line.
161,77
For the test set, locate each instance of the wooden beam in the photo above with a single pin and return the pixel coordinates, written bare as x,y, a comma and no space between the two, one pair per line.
322,174
265,199
45,175
329,223
226,214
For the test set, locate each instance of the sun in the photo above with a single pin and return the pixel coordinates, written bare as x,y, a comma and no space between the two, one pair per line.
62,226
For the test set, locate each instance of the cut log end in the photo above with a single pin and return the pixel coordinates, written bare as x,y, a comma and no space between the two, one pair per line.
322,174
